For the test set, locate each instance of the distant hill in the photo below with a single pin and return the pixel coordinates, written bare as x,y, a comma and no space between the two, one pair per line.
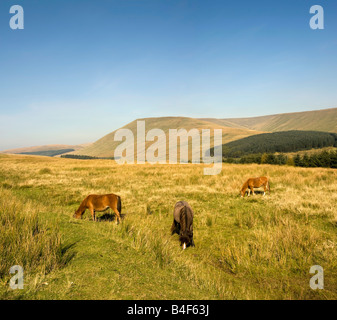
318,120
233,129
46,150
105,146
286,141
49,153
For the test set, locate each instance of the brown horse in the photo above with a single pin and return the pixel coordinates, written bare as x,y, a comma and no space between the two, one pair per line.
100,203
183,223
252,183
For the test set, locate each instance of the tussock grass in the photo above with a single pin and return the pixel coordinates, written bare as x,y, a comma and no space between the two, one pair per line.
246,248
24,240
45,171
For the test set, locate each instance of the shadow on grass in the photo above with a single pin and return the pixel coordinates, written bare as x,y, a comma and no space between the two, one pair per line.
109,217
257,193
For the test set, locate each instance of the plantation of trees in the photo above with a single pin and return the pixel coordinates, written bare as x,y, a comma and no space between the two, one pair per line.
326,159
83,157
280,142
79,157
268,148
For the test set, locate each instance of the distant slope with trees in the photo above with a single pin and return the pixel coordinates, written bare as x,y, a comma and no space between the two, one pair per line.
286,141
233,129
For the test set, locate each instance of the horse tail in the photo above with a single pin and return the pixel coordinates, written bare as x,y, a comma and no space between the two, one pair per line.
119,204
268,185
183,219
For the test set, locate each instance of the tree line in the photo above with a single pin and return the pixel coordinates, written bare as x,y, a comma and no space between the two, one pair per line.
325,159
74,156
80,157
279,142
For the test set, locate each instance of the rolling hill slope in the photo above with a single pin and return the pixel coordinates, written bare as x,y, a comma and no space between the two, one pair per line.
105,146
233,129
318,120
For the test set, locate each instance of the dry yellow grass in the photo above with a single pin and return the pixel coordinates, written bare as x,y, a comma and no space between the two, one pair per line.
251,248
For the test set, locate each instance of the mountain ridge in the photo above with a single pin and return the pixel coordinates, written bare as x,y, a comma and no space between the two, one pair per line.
317,120
233,129
105,146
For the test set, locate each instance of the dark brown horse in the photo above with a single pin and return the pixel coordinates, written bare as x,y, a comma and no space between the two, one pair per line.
100,203
183,223
252,183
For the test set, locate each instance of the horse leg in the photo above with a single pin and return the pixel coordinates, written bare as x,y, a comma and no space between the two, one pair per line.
117,214
265,188
248,192
93,214
252,189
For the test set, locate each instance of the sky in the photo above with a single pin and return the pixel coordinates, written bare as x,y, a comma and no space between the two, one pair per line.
81,69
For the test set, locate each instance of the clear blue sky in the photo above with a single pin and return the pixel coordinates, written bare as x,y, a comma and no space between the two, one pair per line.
81,69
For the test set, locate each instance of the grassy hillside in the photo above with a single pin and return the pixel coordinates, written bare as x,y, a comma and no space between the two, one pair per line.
250,248
286,141
311,151
319,120
105,147
233,129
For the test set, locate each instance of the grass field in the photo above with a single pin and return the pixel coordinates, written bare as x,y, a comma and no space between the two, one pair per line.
250,248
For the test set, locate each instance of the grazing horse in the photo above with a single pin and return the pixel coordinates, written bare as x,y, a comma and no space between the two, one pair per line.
183,223
100,203
252,183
